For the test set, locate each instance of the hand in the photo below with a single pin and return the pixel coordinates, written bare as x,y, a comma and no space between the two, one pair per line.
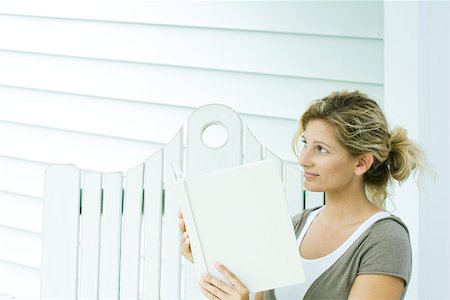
214,288
185,242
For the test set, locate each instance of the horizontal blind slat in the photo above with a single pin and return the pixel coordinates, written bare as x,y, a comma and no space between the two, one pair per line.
196,87
58,146
20,247
359,19
21,176
244,51
19,281
21,212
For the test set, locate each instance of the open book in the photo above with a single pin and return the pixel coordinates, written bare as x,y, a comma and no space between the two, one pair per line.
239,217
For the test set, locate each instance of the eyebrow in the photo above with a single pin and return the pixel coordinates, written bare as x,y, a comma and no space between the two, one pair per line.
316,142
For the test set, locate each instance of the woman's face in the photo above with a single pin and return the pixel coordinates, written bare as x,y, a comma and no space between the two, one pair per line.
327,165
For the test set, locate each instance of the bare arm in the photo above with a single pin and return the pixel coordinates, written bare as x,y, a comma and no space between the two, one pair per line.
376,287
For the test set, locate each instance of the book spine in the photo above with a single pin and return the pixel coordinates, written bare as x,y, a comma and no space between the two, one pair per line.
191,228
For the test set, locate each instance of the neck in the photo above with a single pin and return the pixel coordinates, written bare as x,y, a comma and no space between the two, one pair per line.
348,206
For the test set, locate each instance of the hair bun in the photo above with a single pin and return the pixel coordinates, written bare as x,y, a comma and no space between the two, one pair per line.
402,158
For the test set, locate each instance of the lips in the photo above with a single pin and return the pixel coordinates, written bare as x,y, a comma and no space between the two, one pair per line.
309,175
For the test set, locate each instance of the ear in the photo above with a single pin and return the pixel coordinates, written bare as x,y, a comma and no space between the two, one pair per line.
364,163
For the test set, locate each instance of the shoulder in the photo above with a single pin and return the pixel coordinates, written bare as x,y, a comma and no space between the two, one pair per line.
389,229
299,219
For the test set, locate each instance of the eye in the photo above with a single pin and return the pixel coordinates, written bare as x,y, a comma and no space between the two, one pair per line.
302,143
322,149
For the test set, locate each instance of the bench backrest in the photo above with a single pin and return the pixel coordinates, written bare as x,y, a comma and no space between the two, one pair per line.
115,235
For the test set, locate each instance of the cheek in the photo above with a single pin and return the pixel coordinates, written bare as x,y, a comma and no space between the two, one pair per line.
337,171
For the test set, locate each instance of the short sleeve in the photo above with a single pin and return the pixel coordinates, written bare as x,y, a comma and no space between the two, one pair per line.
299,219
296,219
388,252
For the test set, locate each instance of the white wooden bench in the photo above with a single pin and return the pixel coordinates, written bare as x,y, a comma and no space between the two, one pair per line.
115,235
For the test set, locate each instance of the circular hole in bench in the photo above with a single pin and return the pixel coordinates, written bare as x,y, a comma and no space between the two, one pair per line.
214,135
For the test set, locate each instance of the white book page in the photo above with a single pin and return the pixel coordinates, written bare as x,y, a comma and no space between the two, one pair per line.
242,221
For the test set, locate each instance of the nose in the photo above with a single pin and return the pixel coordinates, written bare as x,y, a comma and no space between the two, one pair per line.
305,158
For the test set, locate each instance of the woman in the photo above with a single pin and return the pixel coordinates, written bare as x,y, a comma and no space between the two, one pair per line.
351,248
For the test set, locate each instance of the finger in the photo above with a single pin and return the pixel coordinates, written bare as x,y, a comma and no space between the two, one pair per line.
186,243
184,236
208,294
182,225
186,247
212,289
180,214
217,283
228,275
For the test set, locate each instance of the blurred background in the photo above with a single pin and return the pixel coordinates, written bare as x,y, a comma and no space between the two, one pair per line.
104,85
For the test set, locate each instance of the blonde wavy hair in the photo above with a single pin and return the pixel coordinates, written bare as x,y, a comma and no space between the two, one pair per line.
361,127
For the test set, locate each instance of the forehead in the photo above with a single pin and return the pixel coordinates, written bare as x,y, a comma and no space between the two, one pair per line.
319,128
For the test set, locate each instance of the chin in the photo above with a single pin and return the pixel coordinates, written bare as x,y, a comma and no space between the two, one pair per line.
312,189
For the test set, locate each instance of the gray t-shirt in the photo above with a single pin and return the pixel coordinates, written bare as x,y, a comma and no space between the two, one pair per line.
384,248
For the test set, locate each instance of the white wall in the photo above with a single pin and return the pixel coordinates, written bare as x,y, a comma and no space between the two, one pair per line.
416,47
105,85
401,107
434,79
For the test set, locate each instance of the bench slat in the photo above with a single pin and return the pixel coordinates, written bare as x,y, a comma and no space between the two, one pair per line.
152,226
90,235
314,199
201,159
293,183
131,234
110,236
59,271
270,155
171,256
253,148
